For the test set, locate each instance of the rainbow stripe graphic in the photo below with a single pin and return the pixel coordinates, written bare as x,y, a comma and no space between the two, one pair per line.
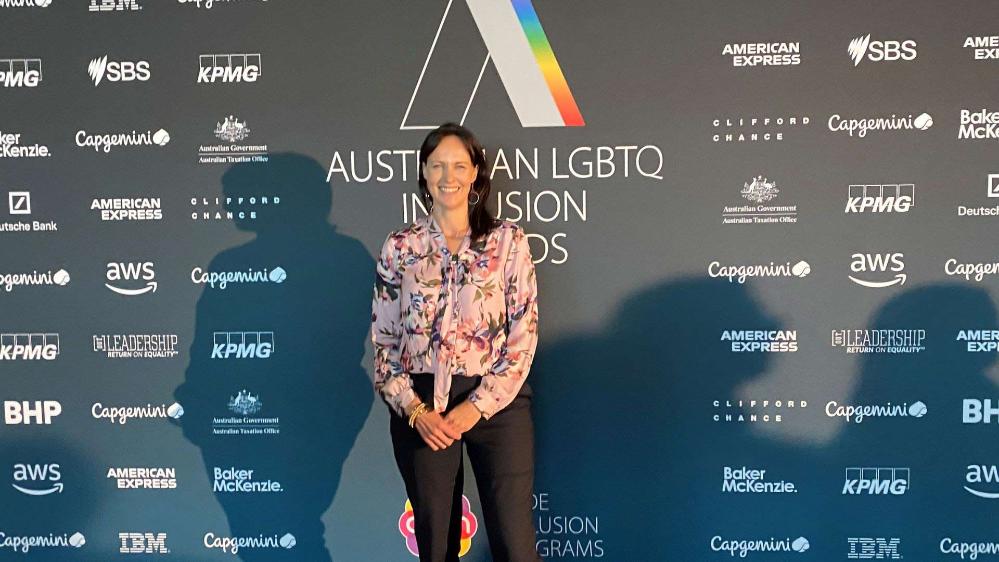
526,63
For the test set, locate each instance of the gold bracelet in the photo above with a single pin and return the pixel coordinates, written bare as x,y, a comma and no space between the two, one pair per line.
418,411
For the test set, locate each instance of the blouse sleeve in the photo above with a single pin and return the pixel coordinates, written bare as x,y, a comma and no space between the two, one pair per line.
391,381
498,388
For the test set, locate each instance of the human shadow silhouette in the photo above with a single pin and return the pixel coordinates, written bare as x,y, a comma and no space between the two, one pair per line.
938,447
312,382
626,428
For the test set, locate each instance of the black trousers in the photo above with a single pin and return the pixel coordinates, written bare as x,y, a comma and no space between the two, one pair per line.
501,451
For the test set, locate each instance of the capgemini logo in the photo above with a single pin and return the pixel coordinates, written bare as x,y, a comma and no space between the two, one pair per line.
469,525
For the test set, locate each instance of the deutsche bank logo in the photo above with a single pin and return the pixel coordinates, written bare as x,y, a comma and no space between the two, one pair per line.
19,202
242,345
876,481
228,68
993,187
524,60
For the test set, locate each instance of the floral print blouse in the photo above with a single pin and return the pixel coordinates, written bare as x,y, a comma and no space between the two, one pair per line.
467,314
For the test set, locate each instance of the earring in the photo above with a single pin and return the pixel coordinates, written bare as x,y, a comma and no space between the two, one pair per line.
476,202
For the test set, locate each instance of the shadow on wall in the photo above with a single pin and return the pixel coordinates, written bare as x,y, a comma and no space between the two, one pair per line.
309,385
627,438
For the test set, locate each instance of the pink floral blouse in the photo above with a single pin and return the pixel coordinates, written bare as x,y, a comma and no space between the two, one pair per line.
473,313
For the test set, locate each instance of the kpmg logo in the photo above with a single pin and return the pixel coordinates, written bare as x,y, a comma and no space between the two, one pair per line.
754,410
131,273
760,190
740,273
747,480
23,544
860,126
880,198
755,128
978,410
127,209
873,548
982,480
28,346
232,545
763,54
743,547
980,124
246,406
20,73
123,414
858,413
979,341
984,47
865,266
143,543
11,146
222,279
876,481
117,71
234,480
242,345
880,341
228,68
35,412
876,51
114,6
136,346
524,60
143,478
37,479
10,280
761,341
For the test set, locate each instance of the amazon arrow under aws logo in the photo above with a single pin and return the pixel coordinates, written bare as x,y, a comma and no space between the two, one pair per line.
37,479
878,264
119,273
524,60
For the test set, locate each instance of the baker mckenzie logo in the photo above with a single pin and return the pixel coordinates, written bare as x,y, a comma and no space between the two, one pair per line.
747,480
766,341
20,73
863,125
232,545
136,346
980,124
873,548
984,47
143,543
24,543
880,198
119,273
524,59
979,341
763,54
123,414
8,281
37,479
858,413
246,405
228,68
221,279
864,265
145,478
743,547
242,481
880,341
876,481
11,146
862,48
28,346
242,345
760,190
739,273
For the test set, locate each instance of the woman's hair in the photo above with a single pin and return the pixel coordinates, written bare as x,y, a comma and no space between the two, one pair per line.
479,218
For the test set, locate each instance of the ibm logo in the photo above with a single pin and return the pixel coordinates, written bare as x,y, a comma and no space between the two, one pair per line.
236,67
867,548
876,481
242,345
16,73
143,543
114,5
878,198
29,347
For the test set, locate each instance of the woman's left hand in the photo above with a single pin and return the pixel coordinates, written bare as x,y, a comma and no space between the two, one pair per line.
464,416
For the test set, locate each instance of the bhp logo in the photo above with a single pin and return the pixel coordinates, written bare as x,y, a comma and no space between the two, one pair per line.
38,412
524,60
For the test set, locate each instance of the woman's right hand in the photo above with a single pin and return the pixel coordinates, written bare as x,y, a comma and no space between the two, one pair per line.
436,431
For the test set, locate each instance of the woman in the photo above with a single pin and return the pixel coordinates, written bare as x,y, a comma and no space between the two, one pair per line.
454,326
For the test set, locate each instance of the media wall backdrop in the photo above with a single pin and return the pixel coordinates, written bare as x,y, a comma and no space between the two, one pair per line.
765,236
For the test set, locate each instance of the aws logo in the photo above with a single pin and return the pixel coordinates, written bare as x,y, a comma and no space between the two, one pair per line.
46,479
981,475
523,58
868,264
119,272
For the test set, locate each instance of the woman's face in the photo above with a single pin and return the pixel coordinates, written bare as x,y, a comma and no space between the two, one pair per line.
449,173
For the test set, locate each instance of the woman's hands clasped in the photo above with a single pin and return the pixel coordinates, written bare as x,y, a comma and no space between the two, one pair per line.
440,432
